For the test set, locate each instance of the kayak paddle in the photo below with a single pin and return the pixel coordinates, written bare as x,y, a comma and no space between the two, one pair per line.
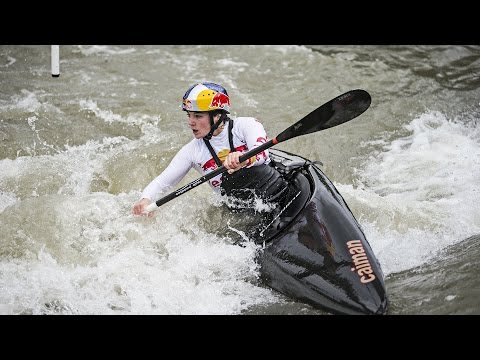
337,111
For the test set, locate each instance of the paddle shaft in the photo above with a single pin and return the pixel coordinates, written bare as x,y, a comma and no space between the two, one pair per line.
209,176
337,111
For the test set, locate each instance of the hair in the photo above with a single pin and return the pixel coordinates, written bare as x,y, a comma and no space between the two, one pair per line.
216,112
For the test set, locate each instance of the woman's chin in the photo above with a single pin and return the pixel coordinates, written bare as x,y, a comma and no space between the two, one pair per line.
198,135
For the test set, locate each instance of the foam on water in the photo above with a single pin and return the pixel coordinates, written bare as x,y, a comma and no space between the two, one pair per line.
96,258
104,50
419,193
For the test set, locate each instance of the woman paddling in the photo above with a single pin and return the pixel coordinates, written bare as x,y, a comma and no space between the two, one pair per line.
219,140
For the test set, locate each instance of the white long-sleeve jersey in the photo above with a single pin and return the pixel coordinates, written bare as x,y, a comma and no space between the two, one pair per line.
248,133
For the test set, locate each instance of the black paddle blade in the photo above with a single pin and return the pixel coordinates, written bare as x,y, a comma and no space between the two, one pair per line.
337,111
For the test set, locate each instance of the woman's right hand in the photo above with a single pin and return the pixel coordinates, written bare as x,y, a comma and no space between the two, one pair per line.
139,208
232,162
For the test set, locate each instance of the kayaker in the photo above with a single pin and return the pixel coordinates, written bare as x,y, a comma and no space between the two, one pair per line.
219,140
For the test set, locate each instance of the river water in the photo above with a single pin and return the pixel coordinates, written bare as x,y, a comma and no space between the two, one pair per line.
77,150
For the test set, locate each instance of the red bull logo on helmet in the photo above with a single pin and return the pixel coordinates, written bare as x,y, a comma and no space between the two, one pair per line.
187,104
220,101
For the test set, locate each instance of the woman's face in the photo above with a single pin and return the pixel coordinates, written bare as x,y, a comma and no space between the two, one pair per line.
199,122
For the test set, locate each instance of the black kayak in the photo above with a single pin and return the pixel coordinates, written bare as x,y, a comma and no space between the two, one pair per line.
315,250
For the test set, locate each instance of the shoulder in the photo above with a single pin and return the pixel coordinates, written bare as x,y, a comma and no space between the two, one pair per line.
242,119
246,125
245,121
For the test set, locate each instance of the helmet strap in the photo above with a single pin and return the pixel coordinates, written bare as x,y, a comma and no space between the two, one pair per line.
214,126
